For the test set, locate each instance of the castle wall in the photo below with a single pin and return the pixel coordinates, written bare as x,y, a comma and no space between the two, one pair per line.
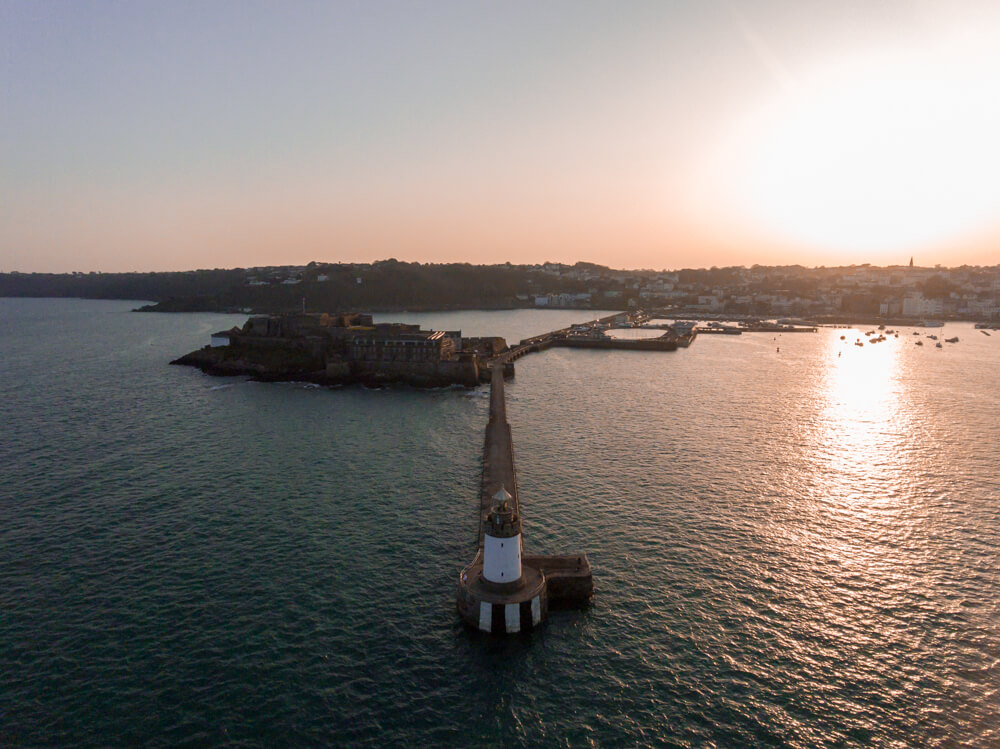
419,374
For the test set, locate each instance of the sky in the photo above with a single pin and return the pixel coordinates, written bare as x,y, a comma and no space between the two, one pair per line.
179,135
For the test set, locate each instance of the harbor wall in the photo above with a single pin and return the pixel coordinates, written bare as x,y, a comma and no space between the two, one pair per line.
622,344
565,580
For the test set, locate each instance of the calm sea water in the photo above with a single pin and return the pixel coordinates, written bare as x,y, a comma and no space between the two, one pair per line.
794,547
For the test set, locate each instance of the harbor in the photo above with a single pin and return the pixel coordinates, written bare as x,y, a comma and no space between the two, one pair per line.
340,348
315,538
502,590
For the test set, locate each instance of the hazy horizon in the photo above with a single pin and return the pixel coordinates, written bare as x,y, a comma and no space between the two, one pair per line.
640,135
528,263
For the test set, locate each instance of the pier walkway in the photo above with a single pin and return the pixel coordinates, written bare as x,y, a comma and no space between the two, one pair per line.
492,604
498,453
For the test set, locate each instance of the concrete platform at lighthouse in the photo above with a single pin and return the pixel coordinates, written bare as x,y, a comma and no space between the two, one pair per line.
502,608
566,583
502,593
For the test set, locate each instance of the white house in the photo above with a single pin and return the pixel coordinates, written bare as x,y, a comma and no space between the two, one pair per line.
919,306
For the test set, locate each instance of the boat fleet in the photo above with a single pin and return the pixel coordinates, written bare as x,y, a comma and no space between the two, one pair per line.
880,335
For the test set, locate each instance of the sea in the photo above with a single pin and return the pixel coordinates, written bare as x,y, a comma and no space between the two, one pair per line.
795,542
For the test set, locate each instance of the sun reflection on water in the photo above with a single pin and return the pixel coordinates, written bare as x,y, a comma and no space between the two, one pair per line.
861,437
862,389
861,529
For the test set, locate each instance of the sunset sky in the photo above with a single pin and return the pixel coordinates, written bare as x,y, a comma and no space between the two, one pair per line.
177,135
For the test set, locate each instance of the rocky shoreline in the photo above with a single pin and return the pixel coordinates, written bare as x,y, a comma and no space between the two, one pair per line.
212,362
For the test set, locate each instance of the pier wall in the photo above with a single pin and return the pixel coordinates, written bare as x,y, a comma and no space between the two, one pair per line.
568,578
620,344
498,453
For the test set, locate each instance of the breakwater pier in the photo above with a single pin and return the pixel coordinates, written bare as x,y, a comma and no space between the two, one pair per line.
502,590
593,335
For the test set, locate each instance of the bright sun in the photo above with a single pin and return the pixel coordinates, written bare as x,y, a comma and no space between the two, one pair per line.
897,150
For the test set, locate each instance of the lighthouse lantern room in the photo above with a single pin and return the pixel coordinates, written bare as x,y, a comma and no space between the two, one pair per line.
502,542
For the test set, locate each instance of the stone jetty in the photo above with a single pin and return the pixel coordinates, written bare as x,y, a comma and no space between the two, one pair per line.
502,590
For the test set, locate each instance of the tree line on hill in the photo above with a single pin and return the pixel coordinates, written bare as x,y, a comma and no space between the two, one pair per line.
383,286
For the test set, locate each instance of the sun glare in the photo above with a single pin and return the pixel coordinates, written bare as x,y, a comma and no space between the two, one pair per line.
893,151
861,413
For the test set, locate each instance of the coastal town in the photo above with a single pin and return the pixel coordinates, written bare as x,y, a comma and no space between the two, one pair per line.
966,293
855,293
908,291
283,340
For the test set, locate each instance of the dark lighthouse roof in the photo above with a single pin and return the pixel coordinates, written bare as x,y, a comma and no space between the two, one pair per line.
503,521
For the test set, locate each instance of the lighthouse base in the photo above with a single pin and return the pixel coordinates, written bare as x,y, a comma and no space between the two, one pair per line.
502,609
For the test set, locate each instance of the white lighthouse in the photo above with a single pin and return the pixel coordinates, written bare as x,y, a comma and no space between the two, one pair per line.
497,593
502,542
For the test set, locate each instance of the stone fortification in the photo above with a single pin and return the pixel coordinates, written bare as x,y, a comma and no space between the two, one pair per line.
337,349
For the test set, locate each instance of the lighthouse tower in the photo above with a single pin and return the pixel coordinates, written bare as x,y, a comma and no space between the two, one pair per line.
502,542
497,593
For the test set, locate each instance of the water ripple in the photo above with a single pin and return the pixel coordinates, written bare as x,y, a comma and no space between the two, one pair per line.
788,551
